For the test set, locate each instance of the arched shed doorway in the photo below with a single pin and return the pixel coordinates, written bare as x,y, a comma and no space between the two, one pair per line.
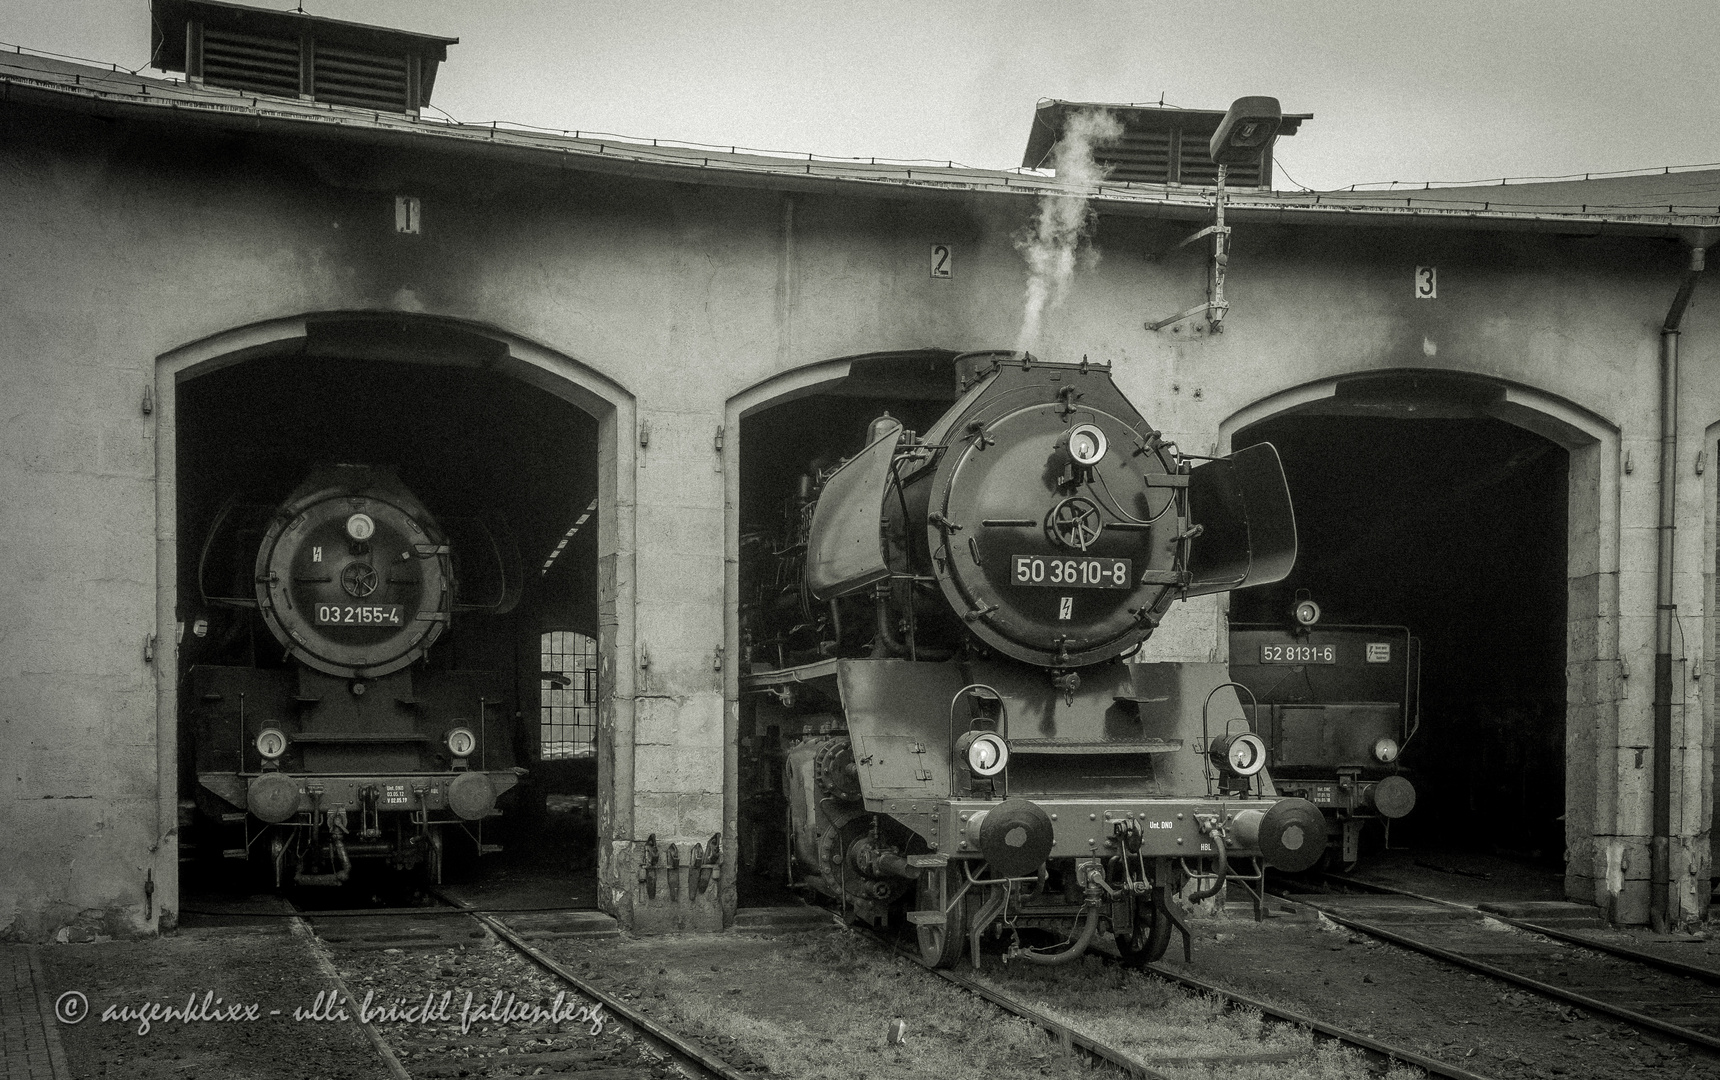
1483,516
797,422
485,428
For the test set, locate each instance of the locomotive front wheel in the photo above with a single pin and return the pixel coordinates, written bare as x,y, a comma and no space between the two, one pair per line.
941,946
1150,937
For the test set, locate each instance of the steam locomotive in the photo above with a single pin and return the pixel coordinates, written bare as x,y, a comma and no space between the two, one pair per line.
941,633
349,749
1336,705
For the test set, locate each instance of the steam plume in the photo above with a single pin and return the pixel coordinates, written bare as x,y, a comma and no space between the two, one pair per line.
1052,244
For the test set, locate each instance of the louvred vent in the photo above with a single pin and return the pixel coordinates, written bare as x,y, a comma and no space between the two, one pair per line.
261,65
290,54
1139,155
367,80
1199,168
1159,145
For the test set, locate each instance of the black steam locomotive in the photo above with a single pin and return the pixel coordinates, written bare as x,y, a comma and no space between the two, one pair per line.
1336,705
347,748
941,635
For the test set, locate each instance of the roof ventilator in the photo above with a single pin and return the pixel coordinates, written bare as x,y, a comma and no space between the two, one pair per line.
293,55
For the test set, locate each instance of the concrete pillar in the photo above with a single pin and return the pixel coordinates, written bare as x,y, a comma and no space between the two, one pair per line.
1591,674
1627,831
677,773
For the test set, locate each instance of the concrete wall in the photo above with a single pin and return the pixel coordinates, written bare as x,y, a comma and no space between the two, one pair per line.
135,252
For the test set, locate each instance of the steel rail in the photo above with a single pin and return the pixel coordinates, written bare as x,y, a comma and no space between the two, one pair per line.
302,930
1332,1031
1683,1034
1135,1068
1677,967
1063,1032
659,1037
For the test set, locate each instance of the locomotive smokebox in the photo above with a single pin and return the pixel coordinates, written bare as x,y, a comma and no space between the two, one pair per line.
1015,837
1290,836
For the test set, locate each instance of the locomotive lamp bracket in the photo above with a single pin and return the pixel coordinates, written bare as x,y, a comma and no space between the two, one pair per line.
1068,682
1066,398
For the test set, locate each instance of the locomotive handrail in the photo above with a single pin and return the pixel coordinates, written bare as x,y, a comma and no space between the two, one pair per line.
967,868
1413,711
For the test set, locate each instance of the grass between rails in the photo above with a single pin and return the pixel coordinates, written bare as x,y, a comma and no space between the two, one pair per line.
819,1004
1193,1037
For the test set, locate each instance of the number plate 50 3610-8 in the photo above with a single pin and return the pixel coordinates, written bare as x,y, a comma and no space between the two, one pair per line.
1084,572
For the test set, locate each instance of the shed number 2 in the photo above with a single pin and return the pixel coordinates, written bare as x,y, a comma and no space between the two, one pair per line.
941,259
1426,283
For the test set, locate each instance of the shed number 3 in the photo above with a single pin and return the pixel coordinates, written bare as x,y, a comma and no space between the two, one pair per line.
1426,283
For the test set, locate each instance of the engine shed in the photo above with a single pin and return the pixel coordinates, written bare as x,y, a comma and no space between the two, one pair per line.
1493,398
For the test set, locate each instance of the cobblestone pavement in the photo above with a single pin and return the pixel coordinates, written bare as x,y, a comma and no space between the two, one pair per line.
29,1042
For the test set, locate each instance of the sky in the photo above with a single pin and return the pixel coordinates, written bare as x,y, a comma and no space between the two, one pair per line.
1400,90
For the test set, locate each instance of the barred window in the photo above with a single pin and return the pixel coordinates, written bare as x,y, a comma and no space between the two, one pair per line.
568,696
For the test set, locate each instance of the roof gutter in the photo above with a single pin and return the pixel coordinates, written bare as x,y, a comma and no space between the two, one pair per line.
1662,900
619,158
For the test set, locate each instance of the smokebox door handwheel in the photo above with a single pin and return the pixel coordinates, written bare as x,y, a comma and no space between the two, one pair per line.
353,576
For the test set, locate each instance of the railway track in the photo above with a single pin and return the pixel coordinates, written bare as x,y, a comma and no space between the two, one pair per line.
355,939
1680,1001
1114,1056
1430,1065
355,947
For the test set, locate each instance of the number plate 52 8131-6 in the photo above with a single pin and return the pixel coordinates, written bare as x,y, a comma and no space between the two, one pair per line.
1084,572
1298,654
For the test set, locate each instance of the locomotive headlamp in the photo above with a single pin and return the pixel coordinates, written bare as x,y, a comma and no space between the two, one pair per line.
1242,754
1386,750
985,752
271,743
1086,445
461,742
1307,612
360,527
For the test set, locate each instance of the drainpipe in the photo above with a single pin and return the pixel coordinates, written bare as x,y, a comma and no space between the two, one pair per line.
1660,899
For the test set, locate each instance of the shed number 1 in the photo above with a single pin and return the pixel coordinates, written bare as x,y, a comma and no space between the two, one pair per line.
1426,283
941,260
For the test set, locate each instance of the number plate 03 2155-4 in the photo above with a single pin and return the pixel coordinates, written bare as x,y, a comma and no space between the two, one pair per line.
357,614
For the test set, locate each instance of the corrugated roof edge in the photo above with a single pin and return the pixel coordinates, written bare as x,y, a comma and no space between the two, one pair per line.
107,93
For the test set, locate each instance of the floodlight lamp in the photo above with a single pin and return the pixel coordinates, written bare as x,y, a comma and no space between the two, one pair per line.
1249,128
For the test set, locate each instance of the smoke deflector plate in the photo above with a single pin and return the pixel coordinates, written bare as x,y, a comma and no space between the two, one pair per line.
1248,530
